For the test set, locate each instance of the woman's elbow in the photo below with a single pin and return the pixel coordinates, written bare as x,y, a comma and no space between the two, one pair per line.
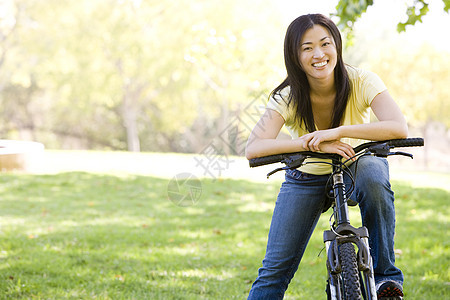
402,131
249,153
251,148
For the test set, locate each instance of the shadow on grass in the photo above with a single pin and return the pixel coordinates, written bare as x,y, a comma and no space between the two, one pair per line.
83,235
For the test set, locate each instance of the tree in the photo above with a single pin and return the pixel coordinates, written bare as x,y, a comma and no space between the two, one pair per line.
349,11
232,56
126,74
100,65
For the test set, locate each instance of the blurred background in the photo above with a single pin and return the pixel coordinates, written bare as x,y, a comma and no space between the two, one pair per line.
191,76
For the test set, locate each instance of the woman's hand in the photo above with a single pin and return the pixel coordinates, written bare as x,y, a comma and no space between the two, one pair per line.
338,147
312,141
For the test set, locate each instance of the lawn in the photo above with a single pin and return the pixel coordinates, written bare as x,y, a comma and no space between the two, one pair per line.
82,235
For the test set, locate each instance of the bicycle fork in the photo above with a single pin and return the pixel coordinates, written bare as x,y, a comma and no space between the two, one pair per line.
364,261
345,233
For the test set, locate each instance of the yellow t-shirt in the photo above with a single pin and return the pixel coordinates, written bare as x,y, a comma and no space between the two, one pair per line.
365,85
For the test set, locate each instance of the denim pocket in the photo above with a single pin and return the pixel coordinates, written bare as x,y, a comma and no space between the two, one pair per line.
305,178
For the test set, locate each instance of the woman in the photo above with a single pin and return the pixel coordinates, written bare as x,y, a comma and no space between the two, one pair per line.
325,105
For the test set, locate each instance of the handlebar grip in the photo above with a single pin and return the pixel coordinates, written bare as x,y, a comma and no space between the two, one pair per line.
410,142
266,160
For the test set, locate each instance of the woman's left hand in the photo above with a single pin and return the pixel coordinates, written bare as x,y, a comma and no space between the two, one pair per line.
312,140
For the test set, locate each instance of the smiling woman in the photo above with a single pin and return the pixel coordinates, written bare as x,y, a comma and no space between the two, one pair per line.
325,105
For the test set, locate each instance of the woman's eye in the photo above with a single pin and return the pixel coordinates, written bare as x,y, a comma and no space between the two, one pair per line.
326,44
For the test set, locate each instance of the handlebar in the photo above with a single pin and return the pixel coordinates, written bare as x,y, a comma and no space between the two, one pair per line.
379,148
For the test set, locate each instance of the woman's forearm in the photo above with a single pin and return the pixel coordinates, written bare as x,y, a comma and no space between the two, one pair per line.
377,131
264,147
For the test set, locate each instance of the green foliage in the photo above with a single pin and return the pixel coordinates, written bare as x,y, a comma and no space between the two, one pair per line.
349,11
422,91
94,236
415,14
130,74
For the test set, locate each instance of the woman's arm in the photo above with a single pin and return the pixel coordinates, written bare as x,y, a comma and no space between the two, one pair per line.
391,125
391,122
263,139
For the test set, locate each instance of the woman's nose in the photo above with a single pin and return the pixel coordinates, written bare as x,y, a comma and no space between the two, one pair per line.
318,53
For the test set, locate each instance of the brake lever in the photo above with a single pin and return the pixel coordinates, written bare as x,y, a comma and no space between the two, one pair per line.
384,150
276,170
401,153
292,162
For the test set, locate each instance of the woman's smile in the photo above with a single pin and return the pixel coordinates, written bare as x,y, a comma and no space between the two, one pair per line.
320,64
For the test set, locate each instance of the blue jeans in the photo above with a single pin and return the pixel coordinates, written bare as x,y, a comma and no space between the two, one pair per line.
300,202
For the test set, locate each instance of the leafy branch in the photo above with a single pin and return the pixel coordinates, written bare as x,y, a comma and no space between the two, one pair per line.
349,11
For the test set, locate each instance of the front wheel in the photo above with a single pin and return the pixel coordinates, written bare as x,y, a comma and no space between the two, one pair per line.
351,288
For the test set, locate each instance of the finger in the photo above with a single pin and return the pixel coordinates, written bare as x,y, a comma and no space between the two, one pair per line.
314,144
304,144
311,143
344,154
307,139
317,143
347,149
351,153
344,150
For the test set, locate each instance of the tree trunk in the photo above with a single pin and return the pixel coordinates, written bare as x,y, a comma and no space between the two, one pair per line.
129,114
133,142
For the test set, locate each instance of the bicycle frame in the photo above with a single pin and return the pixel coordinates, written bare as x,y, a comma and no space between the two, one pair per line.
344,232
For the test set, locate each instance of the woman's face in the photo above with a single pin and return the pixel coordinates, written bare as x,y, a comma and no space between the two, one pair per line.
317,54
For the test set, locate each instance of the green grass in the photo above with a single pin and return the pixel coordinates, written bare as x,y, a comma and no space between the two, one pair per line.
90,236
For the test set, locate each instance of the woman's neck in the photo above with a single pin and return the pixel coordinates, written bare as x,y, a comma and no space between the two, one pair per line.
322,88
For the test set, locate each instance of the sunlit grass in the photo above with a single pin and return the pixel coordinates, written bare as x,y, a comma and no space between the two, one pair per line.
92,236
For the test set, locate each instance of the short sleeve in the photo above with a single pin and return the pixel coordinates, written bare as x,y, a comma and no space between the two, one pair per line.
370,85
278,103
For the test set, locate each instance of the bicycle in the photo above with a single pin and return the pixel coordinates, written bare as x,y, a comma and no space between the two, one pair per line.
350,272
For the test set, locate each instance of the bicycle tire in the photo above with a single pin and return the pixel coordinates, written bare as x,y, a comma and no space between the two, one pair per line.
350,274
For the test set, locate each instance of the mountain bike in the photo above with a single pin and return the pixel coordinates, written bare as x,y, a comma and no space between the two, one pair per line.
350,271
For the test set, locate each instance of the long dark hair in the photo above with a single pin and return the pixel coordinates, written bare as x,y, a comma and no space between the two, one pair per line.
299,95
